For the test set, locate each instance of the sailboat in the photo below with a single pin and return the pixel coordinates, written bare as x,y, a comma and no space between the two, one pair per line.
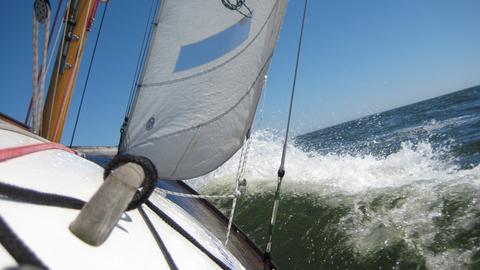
193,108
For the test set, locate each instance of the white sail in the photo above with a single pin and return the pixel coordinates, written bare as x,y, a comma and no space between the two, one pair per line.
201,84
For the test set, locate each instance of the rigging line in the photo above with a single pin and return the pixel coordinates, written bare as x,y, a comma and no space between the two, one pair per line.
172,223
57,65
20,252
41,15
71,79
35,73
55,18
29,111
281,170
164,192
141,56
158,239
43,72
88,74
242,164
26,195
57,36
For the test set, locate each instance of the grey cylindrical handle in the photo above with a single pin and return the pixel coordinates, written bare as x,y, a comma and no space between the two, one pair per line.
100,215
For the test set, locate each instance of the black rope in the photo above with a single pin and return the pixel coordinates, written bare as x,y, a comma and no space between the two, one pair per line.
161,244
149,183
185,234
17,249
88,74
26,195
20,194
281,169
237,6
7,237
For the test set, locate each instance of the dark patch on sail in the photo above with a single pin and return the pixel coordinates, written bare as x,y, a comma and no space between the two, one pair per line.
213,47
150,123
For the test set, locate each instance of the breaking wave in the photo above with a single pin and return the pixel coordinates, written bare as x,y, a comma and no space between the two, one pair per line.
347,173
395,190
410,209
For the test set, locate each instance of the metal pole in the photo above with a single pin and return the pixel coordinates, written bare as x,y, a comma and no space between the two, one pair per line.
281,170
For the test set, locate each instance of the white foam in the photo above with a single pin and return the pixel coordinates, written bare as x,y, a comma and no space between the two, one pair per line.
417,175
341,173
434,125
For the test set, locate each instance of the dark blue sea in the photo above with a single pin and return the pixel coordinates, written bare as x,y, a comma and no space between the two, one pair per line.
394,190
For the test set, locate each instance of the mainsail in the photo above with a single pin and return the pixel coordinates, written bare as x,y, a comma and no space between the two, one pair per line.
201,84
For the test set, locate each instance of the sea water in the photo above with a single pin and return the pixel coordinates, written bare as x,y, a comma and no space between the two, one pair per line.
394,190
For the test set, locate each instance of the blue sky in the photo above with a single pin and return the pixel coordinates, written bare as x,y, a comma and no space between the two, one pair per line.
359,57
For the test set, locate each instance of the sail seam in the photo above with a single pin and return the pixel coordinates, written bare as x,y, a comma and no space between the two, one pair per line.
184,152
147,85
219,116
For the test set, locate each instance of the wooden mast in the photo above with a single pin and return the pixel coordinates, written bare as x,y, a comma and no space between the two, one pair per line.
79,19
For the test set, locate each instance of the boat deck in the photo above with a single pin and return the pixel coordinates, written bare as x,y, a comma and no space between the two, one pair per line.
202,210
239,245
